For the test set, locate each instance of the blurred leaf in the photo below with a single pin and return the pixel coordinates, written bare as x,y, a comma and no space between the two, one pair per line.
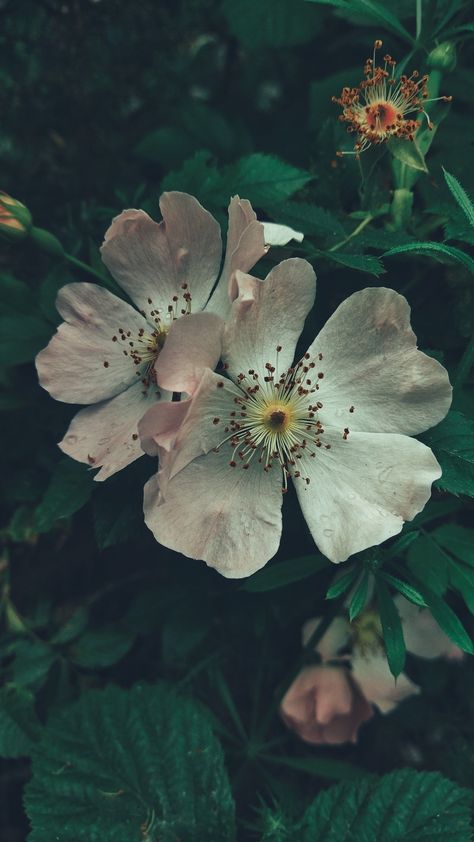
167,145
73,627
32,663
370,11
320,767
402,806
21,337
452,442
460,196
19,724
271,23
392,628
310,219
70,488
102,647
128,765
285,572
446,618
436,250
117,518
408,152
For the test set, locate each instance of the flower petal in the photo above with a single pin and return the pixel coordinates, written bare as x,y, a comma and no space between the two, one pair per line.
245,246
268,314
160,425
193,343
106,435
228,517
333,640
280,235
423,636
370,362
83,363
151,261
362,490
371,672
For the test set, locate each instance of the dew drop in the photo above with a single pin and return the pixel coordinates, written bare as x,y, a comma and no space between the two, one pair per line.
328,532
384,472
70,439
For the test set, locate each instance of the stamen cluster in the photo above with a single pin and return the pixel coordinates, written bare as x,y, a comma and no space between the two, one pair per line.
378,108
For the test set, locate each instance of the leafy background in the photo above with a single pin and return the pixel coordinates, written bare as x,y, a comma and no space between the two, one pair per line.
140,689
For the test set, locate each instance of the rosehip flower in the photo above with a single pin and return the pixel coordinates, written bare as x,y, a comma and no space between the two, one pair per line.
337,422
107,353
15,218
325,705
328,703
382,106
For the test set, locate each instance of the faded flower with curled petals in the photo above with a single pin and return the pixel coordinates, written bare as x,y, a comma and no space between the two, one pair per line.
110,355
337,422
329,702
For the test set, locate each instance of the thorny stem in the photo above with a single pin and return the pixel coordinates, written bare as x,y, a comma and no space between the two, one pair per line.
354,233
81,265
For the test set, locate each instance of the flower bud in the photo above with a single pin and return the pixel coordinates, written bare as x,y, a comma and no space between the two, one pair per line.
443,57
46,241
15,218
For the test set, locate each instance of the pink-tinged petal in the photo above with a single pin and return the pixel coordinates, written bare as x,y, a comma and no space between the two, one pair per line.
333,640
371,672
268,314
193,344
151,261
280,235
245,246
228,517
323,705
371,363
363,489
160,424
85,361
423,636
106,435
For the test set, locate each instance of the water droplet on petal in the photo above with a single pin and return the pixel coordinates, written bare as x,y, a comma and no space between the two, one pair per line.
384,471
70,440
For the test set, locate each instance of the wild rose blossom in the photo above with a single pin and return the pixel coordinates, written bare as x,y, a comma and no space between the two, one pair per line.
328,703
108,354
337,422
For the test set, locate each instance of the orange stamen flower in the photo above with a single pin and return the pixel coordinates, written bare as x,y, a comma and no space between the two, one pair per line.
380,106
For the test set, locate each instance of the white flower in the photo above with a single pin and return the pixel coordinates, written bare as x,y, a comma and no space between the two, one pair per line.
337,422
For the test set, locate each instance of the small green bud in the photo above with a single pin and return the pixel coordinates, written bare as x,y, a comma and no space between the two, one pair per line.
15,218
443,57
47,242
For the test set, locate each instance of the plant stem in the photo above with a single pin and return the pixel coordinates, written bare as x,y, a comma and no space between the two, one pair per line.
84,266
355,232
419,18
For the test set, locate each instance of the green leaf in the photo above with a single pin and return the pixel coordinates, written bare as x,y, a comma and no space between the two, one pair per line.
403,806
70,488
359,598
128,766
404,588
101,648
370,11
446,618
342,583
263,179
436,250
408,152
452,442
33,661
310,219
19,724
275,576
167,145
116,518
360,262
22,336
271,23
392,629
460,195
73,627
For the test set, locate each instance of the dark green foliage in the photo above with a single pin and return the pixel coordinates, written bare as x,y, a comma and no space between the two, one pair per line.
400,807
128,765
